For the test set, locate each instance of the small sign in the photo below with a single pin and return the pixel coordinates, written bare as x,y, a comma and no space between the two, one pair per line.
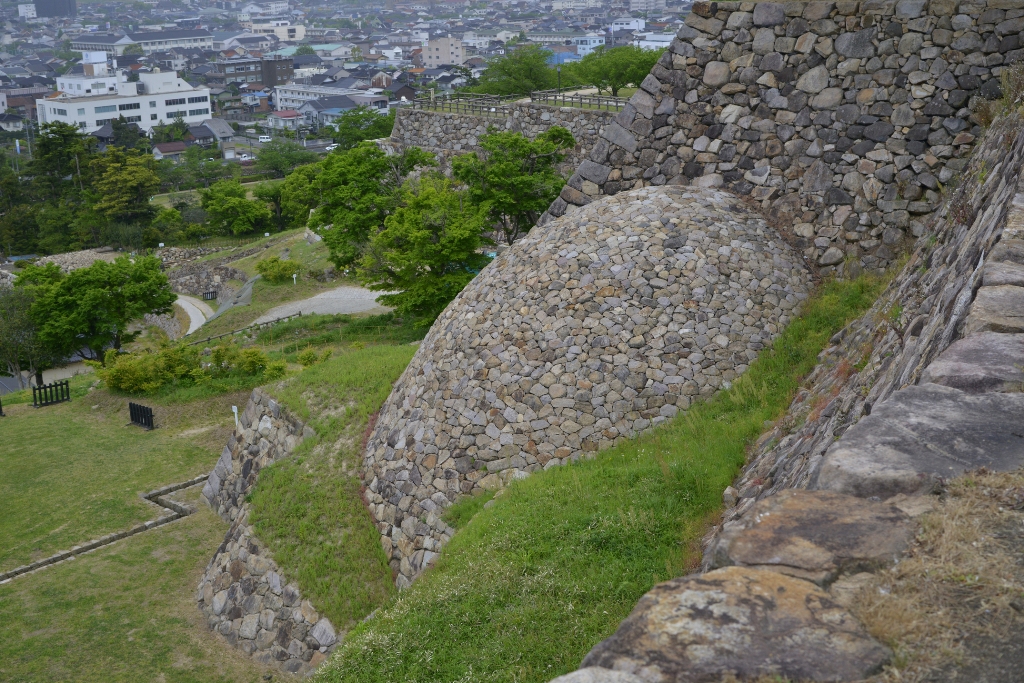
266,234
161,245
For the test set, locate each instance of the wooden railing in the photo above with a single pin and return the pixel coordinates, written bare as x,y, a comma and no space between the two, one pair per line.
556,98
243,329
465,103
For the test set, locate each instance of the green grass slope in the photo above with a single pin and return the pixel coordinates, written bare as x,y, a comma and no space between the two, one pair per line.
530,584
308,509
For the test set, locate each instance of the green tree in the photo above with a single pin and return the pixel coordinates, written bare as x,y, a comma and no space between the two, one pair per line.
615,68
127,135
229,210
197,169
515,177
360,188
133,49
281,156
362,123
90,309
518,72
19,230
271,193
174,131
428,250
301,192
125,181
59,158
21,350
304,50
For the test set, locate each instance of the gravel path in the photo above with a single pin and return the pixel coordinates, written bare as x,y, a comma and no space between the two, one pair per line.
344,299
198,311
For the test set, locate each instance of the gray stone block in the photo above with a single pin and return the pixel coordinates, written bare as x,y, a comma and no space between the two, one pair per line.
996,309
596,674
1003,273
983,362
921,436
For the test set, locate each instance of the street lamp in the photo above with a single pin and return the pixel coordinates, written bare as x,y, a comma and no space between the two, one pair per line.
558,69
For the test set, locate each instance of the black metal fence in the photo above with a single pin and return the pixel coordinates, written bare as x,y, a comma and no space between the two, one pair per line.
210,296
48,394
244,329
141,415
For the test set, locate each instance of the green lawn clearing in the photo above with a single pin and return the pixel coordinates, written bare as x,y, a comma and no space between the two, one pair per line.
529,585
308,509
122,614
73,471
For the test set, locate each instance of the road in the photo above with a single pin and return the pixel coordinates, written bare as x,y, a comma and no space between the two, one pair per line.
343,299
198,311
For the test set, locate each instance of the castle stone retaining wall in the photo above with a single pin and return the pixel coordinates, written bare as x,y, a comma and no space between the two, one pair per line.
449,135
243,593
591,329
844,119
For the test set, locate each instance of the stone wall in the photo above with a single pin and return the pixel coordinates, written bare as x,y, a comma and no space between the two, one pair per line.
923,388
206,278
448,135
243,593
591,329
844,119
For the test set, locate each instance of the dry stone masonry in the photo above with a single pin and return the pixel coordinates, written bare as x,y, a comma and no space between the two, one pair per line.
844,119
243,592
592,329
832,491
449,135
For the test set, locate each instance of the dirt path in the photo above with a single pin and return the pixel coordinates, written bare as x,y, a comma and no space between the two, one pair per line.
345,299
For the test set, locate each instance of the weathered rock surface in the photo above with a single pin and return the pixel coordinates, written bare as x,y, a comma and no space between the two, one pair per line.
596,674
815,535
591,329
743,621
1003,273
921,436
987,361
997,309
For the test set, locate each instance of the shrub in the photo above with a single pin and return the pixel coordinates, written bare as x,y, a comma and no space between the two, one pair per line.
309,357
145,373
276,271
275,370
253,361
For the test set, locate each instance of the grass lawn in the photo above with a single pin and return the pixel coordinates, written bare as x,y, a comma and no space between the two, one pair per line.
528,586
123,613
308,509
73,471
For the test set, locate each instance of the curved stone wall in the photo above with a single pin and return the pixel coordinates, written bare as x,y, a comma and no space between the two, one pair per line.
844,119
591,329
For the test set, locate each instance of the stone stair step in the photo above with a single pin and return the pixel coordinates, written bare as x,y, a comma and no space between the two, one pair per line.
996,309
988,361
921,436
743,622
1003,273
1010,250
816,535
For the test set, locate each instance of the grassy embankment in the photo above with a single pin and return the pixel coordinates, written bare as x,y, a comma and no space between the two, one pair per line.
529,585
125,612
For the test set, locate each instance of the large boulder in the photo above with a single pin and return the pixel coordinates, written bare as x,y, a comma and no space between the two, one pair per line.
988,361
739,621
595,327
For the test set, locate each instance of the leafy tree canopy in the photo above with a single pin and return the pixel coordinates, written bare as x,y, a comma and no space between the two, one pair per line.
281,156
125,180
133,49
428,250
518,72
362,123
304,50
515,177
89,309
362,186
615,68
230,211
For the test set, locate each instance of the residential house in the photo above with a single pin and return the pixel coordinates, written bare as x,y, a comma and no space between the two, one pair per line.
285,119
168,150
11,123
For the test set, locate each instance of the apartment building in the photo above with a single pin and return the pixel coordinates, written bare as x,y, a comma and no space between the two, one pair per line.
294,95
151,41
282,28
94,99
445,50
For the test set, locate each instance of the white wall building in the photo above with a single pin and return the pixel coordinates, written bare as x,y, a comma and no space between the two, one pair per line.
646,5
294,95
27,11
445,50
588,43
282,28
98,97
654,41
628,24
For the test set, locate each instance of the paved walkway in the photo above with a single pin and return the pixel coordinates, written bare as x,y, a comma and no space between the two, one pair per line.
198,311
345,299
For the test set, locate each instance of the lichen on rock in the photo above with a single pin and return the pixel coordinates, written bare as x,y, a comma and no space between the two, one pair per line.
595,327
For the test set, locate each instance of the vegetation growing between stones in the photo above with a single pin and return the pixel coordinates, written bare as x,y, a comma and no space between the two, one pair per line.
530,584
308,509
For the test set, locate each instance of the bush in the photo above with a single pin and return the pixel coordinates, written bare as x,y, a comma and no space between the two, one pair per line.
145,373
308,357
276,271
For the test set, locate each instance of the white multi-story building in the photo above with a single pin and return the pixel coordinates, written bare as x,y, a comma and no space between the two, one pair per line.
646,5
27,11
150,41
445,50
282,28
294,95
98,97
628,24
565,5
588,43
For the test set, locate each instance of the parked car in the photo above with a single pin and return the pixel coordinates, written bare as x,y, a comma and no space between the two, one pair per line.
331,148
265,138
244,157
